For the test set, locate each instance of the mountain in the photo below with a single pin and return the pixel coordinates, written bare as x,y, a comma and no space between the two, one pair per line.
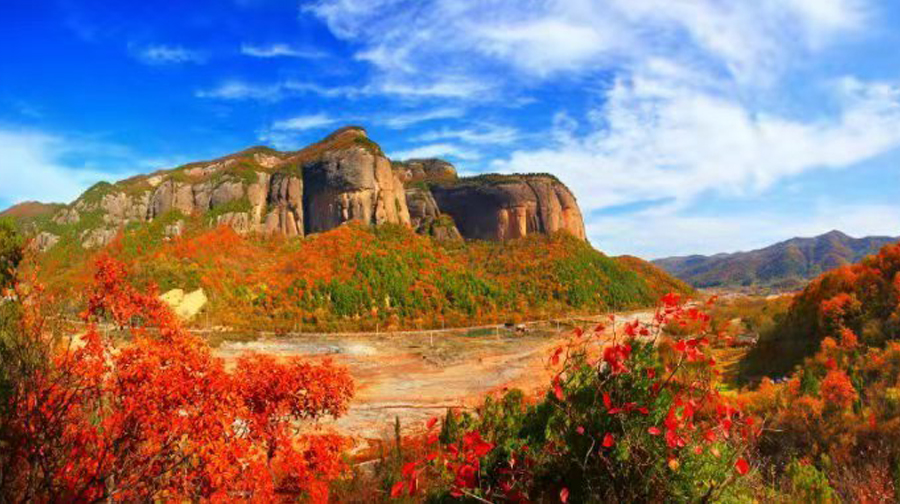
345,177
788,264
335,236
31,210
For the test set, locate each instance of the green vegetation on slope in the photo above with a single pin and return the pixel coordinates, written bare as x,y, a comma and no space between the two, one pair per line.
864,297
360,278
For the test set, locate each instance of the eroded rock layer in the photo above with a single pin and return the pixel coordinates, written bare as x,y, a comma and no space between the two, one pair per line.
504,207
345,177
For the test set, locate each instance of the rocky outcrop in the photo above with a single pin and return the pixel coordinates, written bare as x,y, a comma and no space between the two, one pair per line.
44,241
421,204
239,221
424,170
119,208
100,237
343,178
67,216
499,207
174,195
285,203
185,305
352,184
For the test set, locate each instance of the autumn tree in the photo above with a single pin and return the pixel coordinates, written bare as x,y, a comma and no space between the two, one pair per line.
136,408
10,251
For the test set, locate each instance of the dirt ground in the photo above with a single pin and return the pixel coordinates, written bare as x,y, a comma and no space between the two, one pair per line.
416,376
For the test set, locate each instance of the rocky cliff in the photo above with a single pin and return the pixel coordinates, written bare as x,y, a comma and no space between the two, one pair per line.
345,177
503,207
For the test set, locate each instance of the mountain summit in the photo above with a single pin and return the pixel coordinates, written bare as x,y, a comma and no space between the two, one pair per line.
344,177
787,264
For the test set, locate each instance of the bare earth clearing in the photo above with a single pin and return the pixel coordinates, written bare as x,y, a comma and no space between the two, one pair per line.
415,376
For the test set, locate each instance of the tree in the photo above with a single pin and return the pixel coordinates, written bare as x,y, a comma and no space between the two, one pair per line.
10,252
146,412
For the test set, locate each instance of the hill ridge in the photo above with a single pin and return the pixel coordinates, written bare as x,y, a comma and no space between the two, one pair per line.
787,264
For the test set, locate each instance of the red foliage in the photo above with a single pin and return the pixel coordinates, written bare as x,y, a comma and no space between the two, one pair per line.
159,418
837,390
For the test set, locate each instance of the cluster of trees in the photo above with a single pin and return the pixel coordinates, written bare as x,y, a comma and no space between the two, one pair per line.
388,277
135,408
835,420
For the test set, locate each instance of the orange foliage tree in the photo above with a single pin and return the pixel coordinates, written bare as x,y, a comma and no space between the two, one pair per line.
158,416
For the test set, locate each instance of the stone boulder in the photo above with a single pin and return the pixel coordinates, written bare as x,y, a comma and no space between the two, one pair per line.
185,305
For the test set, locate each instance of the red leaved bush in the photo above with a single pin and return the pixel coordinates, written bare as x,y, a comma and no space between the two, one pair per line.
157,416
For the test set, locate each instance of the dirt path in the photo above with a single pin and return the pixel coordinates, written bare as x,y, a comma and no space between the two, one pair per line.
415,376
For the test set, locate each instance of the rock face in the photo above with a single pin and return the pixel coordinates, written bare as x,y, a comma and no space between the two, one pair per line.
498,207
343,178
425,170
285,201
352,184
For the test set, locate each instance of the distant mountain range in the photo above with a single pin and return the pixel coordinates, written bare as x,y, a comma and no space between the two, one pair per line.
785,265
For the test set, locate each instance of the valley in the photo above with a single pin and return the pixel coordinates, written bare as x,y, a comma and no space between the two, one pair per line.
416,375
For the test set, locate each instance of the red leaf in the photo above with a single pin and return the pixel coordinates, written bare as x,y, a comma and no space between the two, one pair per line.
608,440
564,495
742,466
398,489
431,423
557,389
654,431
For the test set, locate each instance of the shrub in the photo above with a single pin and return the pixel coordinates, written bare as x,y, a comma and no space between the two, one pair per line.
156,417
632,420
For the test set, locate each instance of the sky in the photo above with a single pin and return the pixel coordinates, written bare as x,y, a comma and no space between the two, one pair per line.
682,126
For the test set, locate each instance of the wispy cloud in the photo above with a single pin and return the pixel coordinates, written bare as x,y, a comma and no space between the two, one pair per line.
37,165
438,150
478,40
487,134
281,51
284,134
305,122
169,55
406,119
237,89
665,140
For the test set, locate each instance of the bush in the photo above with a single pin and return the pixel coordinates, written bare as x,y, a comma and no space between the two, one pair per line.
639,420
11,245
158,417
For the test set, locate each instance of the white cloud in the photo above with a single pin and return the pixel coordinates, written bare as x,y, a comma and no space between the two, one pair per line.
280,51
488,134
474,40
668,139
169,55
661,233
438,150
33,167
402,120
305,122
238,89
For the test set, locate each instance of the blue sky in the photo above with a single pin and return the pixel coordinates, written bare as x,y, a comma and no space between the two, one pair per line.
682,126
